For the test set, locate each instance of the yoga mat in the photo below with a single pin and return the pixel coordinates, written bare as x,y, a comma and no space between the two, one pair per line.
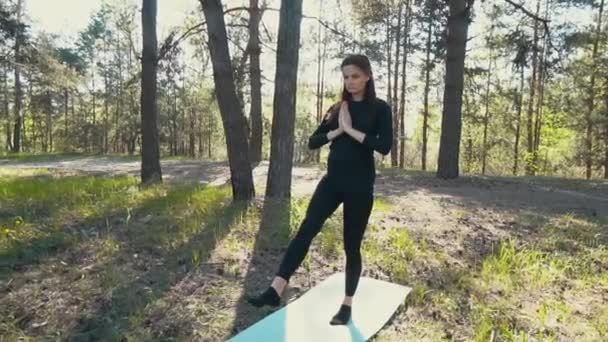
307,318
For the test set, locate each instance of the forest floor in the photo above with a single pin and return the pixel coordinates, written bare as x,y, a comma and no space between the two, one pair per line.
87,255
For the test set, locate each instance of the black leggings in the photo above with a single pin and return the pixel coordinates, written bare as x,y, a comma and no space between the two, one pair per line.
357,207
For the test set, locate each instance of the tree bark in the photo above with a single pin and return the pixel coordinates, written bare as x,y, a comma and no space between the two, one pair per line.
591,98
284,105
408,13
5,106
389,54
232,116
255,112
150,163
606,128
395,148
530,168
451,123
427,88
520,104
486,117
18,91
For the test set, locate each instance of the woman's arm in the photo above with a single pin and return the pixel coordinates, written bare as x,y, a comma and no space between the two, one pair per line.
383,141
323,134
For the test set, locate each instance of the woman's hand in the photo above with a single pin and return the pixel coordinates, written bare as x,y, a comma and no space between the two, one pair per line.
345,121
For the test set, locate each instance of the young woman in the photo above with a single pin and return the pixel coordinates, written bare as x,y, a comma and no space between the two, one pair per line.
357,126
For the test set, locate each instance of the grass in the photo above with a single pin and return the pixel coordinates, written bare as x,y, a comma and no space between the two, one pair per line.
98,256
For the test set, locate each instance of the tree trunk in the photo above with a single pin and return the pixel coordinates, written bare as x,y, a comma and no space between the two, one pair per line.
542,74
192,135
319,94
591,92
401,138
530,167
389,54
395,148
5,106
427,88
18,91
451,123
606,128
150,162
520,104
255,112
232,116
49,121
65,112
106,119
284,104
175,138
486,117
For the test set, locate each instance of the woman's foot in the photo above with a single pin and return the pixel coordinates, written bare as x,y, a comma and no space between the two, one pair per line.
269,297
342,317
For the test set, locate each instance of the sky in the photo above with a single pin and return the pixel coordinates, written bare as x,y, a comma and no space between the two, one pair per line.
68,17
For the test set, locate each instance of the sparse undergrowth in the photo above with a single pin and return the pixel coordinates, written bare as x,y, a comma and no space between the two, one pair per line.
90,256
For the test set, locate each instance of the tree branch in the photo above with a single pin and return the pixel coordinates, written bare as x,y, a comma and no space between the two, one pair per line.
170,44
326,25
531,15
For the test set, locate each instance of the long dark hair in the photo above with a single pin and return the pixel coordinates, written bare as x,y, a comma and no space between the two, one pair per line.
363,63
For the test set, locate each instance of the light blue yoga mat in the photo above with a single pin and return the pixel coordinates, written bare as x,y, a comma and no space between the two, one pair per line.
307,318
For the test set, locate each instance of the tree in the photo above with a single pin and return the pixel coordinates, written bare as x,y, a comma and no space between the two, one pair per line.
19,37
431,19
255,113
281,153
451,123
232,116
150,163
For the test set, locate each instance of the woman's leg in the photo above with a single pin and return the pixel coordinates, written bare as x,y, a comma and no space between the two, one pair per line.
357,209
323,203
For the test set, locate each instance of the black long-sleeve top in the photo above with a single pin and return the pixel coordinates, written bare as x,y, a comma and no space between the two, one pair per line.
350,162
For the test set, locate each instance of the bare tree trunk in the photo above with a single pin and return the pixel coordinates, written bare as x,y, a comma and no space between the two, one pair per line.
18,91
395,148
408,13
486,117
5,107
106,119
284,106
192,135
175,138
427,80
530,168
606,128
65,112
389,54
235,125
319,94
49,121
542,75
520,104
591,92
255,112
150,162
451,123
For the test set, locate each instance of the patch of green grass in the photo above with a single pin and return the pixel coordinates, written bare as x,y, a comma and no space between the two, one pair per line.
383,205
330,239
27,157
521,268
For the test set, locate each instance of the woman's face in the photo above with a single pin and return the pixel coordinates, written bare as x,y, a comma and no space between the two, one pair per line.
354,79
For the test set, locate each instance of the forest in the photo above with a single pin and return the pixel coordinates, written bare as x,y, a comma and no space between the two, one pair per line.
157,156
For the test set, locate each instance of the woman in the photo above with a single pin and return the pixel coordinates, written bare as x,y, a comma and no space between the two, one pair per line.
357,126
